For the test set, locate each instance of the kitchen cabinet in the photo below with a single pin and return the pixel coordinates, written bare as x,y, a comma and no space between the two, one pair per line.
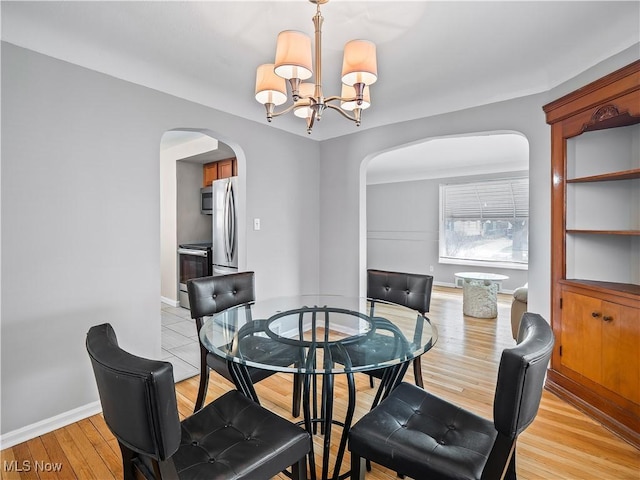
595,245
216,170
225,168
209,173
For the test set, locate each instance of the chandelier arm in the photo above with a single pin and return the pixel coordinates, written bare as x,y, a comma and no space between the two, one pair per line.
343,99
286,110
342,112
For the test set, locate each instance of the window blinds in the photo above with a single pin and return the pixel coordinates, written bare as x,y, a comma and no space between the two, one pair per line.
495,199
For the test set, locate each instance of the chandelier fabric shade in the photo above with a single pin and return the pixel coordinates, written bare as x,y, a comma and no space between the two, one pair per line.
359,64
270,88
294,62
293,55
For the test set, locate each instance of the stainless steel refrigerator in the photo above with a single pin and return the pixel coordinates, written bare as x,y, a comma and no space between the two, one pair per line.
225,230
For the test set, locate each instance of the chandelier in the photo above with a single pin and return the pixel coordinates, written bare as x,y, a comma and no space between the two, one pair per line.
293,63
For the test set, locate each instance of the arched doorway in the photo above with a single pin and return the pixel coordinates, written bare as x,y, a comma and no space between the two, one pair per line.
402,186
184,153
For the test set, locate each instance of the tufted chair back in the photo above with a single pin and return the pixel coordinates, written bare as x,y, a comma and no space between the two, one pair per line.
209,295
232,437
137,395
424,436
521,376
409,289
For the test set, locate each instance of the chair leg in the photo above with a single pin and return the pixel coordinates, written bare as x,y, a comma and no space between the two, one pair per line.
510,474
297,394
299,469
417,372
127,462
204,385
371,384
357,467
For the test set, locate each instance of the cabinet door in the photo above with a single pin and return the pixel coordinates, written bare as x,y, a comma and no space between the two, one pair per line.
209,173
225,168
582,334
621,350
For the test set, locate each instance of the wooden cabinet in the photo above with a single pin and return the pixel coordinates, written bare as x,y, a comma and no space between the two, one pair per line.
595,240
209,173
598,338
220,169
225,168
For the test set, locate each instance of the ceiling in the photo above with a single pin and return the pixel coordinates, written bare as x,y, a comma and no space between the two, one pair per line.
433,57
203,152
448,157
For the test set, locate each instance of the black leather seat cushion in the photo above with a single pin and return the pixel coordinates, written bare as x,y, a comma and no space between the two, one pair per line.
255,346
394,435
234,438
385,344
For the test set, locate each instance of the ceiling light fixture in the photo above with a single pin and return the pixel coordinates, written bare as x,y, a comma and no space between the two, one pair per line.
293,63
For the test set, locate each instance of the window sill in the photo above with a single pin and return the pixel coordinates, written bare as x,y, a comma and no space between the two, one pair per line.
480,263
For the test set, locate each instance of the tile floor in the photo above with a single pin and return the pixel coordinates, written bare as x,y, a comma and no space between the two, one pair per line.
180,341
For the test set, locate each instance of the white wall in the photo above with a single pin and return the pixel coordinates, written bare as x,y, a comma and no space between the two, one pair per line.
168,222
403,230
81,216
192,226
169,216
344,203
343,189
81,223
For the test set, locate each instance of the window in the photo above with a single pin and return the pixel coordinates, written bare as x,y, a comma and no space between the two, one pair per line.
485,223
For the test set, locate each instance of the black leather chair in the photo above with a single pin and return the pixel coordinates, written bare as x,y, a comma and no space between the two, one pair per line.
422,436
231,438
411,290
210,295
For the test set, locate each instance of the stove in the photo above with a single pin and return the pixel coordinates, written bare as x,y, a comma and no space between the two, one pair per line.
194,261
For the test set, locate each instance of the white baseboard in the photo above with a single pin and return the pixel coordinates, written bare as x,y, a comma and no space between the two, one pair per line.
170,302
453,285
48,425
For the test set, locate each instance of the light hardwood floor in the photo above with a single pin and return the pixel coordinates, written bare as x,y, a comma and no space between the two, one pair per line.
562,443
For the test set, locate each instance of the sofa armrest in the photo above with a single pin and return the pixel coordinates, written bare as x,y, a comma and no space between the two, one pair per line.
521,294
518,307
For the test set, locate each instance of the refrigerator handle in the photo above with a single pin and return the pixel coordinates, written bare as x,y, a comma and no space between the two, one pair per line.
232,222
226,221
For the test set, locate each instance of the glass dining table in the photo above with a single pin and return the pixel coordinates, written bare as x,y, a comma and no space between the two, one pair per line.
326,335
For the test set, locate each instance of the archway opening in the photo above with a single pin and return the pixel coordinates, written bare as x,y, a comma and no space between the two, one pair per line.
406,228
187,156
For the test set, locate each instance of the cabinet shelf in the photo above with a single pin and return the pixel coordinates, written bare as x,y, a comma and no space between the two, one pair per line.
628,289
624,175
630,233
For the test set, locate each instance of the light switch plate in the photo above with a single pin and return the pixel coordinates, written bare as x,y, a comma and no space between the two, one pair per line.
256,224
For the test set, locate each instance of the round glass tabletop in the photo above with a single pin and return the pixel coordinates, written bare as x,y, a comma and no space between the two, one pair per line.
318,334
480,276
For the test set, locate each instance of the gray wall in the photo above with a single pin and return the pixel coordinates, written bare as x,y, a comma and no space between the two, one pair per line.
403,225
81,221
191,225
80,216
343,209
343,256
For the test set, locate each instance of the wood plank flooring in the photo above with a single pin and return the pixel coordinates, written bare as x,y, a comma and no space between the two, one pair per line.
562,443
